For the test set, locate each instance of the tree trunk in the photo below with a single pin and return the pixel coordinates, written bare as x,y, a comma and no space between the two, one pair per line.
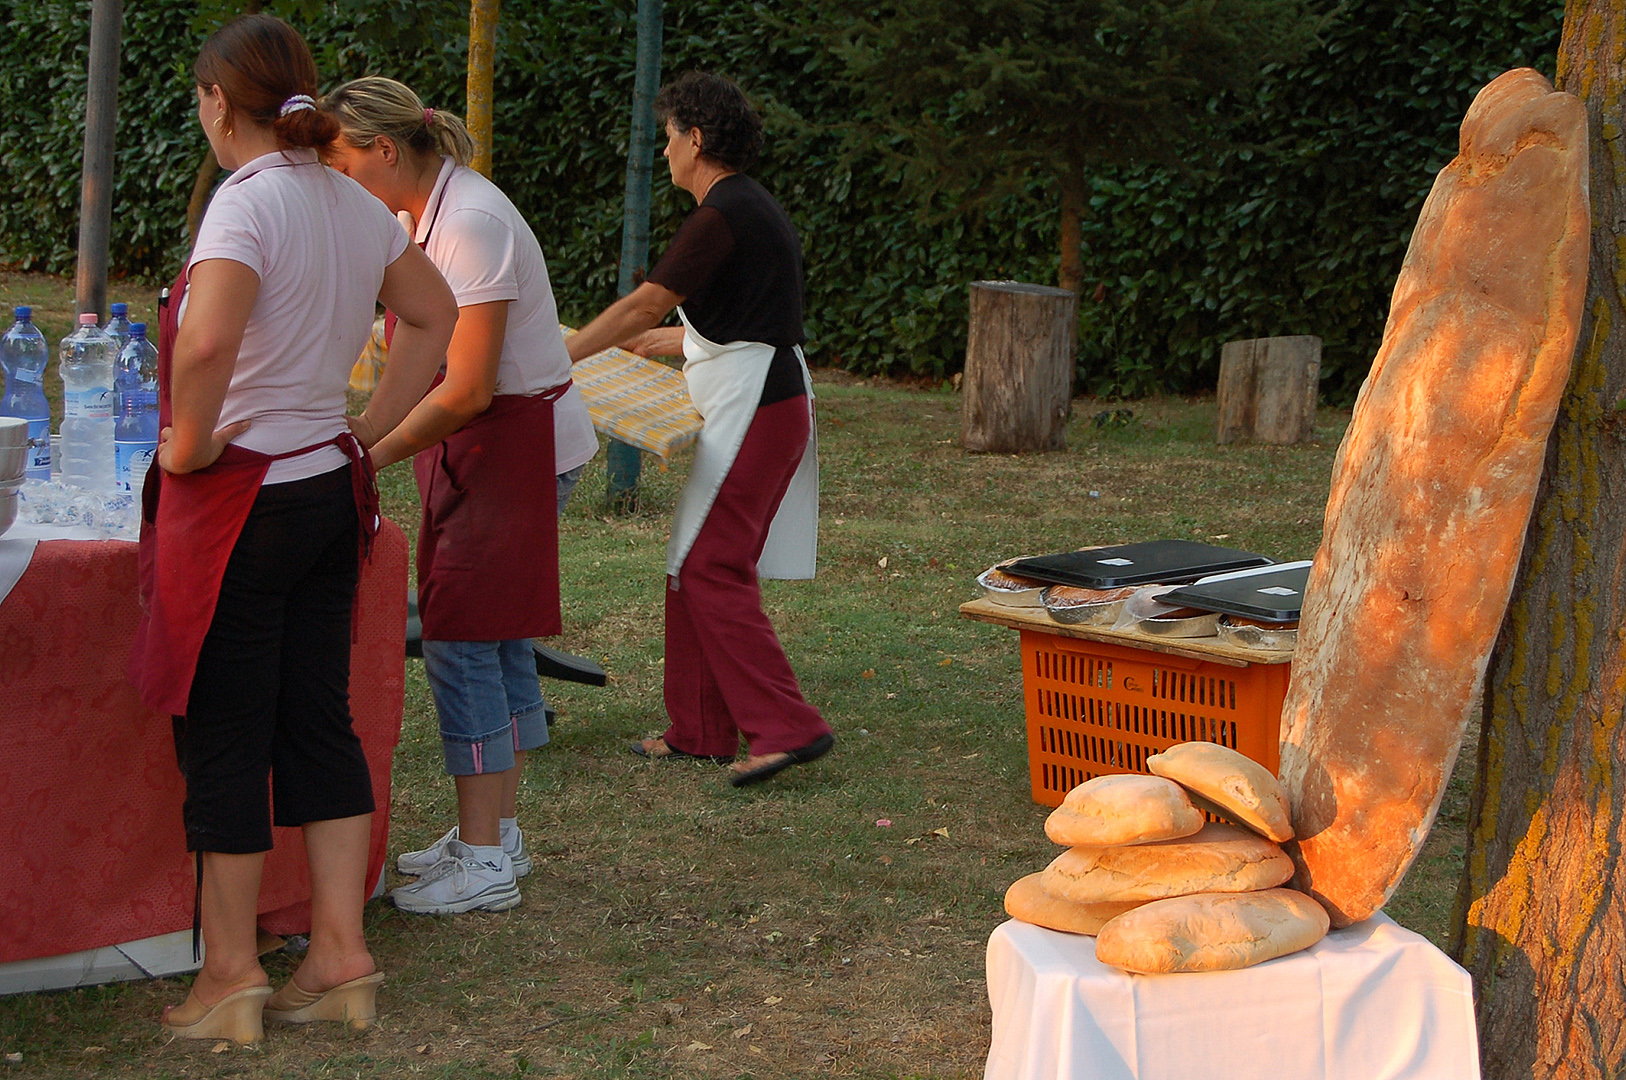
208,169
1018,367
1072,232
1541,918
482,68
1267,389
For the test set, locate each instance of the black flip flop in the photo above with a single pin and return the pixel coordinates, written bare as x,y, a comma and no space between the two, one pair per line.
674,752
811,752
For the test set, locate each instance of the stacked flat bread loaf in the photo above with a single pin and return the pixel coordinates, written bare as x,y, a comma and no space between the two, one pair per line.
1162,888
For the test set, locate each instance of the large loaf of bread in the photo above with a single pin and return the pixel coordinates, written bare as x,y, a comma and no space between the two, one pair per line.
1232,785
1211,932
1432,491
1220,858
1127,808
1026,900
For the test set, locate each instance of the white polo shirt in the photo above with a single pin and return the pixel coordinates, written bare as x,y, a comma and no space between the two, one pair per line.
319,243
483,247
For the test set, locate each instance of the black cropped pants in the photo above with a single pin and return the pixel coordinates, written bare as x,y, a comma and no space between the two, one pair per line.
268,720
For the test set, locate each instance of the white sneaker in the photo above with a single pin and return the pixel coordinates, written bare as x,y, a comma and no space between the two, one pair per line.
461,881
418,862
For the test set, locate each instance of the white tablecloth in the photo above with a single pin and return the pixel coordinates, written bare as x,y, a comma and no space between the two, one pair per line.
1373,1001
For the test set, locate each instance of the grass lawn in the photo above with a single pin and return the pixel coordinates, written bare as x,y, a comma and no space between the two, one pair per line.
676,927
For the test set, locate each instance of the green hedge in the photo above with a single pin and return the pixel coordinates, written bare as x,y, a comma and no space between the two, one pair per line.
1301,231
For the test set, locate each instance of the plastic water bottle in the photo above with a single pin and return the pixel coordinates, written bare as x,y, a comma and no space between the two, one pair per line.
87,407
23,354
118,326
135,405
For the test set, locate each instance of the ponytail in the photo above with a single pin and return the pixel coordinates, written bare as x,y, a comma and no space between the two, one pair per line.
267,73
364,109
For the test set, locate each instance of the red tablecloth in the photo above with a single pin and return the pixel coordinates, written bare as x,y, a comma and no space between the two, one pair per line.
92,851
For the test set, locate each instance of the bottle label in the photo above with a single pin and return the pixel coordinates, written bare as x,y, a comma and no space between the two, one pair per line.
26,376
95,403
39,455
130,463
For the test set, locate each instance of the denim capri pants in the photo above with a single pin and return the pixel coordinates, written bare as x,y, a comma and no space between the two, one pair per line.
489,702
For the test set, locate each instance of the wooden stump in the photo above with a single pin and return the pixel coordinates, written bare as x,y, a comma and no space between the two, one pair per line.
1267,389
1018,383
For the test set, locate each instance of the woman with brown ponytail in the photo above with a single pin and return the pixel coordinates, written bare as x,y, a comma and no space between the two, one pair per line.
252,527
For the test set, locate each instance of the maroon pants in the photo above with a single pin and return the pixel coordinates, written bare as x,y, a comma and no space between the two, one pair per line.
725,670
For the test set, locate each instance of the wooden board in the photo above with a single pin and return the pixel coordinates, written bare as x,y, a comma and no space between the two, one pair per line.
1036,618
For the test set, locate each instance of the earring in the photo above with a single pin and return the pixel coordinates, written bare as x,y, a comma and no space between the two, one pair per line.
218,121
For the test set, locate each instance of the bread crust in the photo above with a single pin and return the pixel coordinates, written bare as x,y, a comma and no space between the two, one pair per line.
1027,901
1211,932
1128,808
1239,788
1220,858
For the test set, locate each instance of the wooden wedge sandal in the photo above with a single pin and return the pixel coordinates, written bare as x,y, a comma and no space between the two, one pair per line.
235,1017
354,1003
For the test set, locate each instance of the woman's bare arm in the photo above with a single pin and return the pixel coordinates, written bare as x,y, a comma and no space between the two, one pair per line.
425,314
471,379
641,309
220,294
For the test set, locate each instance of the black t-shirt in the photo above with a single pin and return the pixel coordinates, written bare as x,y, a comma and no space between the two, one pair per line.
737,263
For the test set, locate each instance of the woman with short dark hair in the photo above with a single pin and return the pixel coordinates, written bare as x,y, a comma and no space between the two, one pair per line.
750,507
255,521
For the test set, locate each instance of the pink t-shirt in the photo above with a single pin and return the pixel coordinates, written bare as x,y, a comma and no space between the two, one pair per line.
487,252
319,243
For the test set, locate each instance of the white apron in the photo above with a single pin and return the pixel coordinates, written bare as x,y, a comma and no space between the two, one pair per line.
725,384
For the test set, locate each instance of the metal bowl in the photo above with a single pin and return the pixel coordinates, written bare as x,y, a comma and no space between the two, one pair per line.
1275,639
1100,613
13,461
1194,626
1026,598
13,431
8,508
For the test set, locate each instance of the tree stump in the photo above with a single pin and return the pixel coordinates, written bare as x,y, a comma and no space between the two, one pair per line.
1267,389
1018,383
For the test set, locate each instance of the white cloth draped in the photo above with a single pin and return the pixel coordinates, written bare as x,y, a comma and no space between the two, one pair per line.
1373,1001
725,384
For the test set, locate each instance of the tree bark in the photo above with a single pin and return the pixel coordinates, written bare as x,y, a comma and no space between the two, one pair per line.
482,68
1018,368
208,169
1268,388
1072,232
1541,918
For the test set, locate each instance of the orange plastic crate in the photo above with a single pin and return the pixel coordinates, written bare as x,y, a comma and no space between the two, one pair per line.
1095,708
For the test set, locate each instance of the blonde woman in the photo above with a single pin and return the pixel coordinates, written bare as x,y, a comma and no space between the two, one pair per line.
497,444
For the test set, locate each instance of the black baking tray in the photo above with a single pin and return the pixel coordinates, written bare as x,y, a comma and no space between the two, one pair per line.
1272,595
1160,562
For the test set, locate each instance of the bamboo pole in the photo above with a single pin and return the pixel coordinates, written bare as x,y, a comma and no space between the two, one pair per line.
482,66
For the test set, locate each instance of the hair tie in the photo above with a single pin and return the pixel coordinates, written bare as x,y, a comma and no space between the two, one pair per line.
295,103
428,117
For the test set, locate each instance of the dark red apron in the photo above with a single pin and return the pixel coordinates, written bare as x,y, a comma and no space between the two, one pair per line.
488,550
189,525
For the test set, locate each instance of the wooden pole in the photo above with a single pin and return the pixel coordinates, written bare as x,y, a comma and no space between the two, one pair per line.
482,66
96,185
1019,363
623,465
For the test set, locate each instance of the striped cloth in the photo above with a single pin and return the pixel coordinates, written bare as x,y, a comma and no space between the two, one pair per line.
641,402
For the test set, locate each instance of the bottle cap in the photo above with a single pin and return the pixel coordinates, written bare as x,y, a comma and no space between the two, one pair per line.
138,329
87,318
119,309
22,311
